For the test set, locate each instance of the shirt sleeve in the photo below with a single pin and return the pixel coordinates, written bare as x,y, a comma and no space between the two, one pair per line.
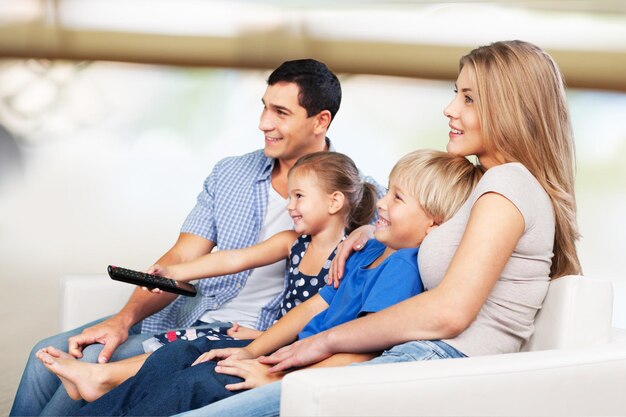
201,219
328,292
516,184
398,281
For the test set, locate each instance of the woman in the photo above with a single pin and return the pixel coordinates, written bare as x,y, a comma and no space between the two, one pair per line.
488,268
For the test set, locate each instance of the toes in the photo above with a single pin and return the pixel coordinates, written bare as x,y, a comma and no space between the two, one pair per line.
54,351
46,358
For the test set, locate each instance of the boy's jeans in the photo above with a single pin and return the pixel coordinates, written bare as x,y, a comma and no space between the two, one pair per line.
265,401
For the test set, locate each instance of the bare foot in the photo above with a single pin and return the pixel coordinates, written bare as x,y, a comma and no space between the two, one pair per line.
70,387
80,379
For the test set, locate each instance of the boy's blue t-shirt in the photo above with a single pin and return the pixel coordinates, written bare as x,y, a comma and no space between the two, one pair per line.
365,290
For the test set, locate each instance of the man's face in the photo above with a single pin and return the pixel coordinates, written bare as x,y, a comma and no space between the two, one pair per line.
289,133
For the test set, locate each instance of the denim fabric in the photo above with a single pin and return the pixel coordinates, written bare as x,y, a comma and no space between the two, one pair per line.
167,383
265,401
40,391
259,402
421,350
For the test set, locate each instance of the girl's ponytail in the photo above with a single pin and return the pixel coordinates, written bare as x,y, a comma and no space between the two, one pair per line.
364,211
337,172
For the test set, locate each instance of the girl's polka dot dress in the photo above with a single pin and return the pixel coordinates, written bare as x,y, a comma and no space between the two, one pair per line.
301,287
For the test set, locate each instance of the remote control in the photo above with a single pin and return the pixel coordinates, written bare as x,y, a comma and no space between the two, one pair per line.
151,281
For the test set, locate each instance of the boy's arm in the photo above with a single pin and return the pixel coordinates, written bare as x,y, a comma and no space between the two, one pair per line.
256,374
282,333
344,359
286,330
225,262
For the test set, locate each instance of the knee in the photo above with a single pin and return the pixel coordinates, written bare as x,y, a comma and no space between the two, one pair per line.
57,341
179,351
91,353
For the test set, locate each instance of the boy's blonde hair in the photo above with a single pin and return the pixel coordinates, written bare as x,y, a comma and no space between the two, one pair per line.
441,182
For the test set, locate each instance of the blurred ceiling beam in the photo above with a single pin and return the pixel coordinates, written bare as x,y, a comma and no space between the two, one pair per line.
267,49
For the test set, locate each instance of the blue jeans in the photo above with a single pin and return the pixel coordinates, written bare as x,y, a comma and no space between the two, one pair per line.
167,384
40,391
265,401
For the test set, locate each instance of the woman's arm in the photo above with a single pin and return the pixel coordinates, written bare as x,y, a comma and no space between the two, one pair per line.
495,226
225,262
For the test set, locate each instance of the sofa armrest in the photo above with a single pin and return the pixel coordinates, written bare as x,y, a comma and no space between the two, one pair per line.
587,381
84,298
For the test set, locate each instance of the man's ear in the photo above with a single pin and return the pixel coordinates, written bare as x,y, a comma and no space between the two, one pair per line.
337,200
322,121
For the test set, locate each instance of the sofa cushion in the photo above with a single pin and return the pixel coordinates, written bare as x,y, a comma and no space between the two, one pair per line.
577,312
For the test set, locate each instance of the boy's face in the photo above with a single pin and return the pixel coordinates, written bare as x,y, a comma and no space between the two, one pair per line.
402,222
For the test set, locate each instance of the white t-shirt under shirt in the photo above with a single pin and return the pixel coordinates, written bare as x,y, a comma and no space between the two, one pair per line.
263,284
506,319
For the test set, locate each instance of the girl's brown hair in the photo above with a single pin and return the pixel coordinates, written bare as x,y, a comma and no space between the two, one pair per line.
337,172
524,118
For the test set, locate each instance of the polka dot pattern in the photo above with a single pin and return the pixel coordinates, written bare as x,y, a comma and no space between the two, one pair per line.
301,287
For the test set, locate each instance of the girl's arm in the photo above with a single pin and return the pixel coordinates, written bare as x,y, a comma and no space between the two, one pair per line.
225,262
495,226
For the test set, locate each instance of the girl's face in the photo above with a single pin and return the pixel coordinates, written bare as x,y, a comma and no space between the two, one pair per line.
402,222
466,136
308,203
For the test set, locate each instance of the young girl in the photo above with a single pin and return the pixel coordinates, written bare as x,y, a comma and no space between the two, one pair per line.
326,198
488,268
425,189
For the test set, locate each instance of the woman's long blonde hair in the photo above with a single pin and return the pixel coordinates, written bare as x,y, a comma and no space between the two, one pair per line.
524,117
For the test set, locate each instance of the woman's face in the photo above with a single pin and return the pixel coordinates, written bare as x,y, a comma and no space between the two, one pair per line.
466,137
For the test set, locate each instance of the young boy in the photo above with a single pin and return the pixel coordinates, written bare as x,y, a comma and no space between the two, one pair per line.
425,189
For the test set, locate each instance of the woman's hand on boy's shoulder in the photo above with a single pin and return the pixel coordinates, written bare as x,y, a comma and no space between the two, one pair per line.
354,242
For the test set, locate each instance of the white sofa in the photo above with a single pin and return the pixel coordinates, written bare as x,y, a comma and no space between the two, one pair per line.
575,364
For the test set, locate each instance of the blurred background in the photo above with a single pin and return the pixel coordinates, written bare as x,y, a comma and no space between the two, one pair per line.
113,112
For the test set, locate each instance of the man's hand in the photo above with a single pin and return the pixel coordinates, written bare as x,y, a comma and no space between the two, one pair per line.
242,332
220,354
254,373
111,333
304,352
354,242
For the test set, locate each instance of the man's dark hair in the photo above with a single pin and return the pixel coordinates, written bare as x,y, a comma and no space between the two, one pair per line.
319,87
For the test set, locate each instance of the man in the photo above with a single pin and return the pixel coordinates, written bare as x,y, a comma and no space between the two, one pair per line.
242,202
